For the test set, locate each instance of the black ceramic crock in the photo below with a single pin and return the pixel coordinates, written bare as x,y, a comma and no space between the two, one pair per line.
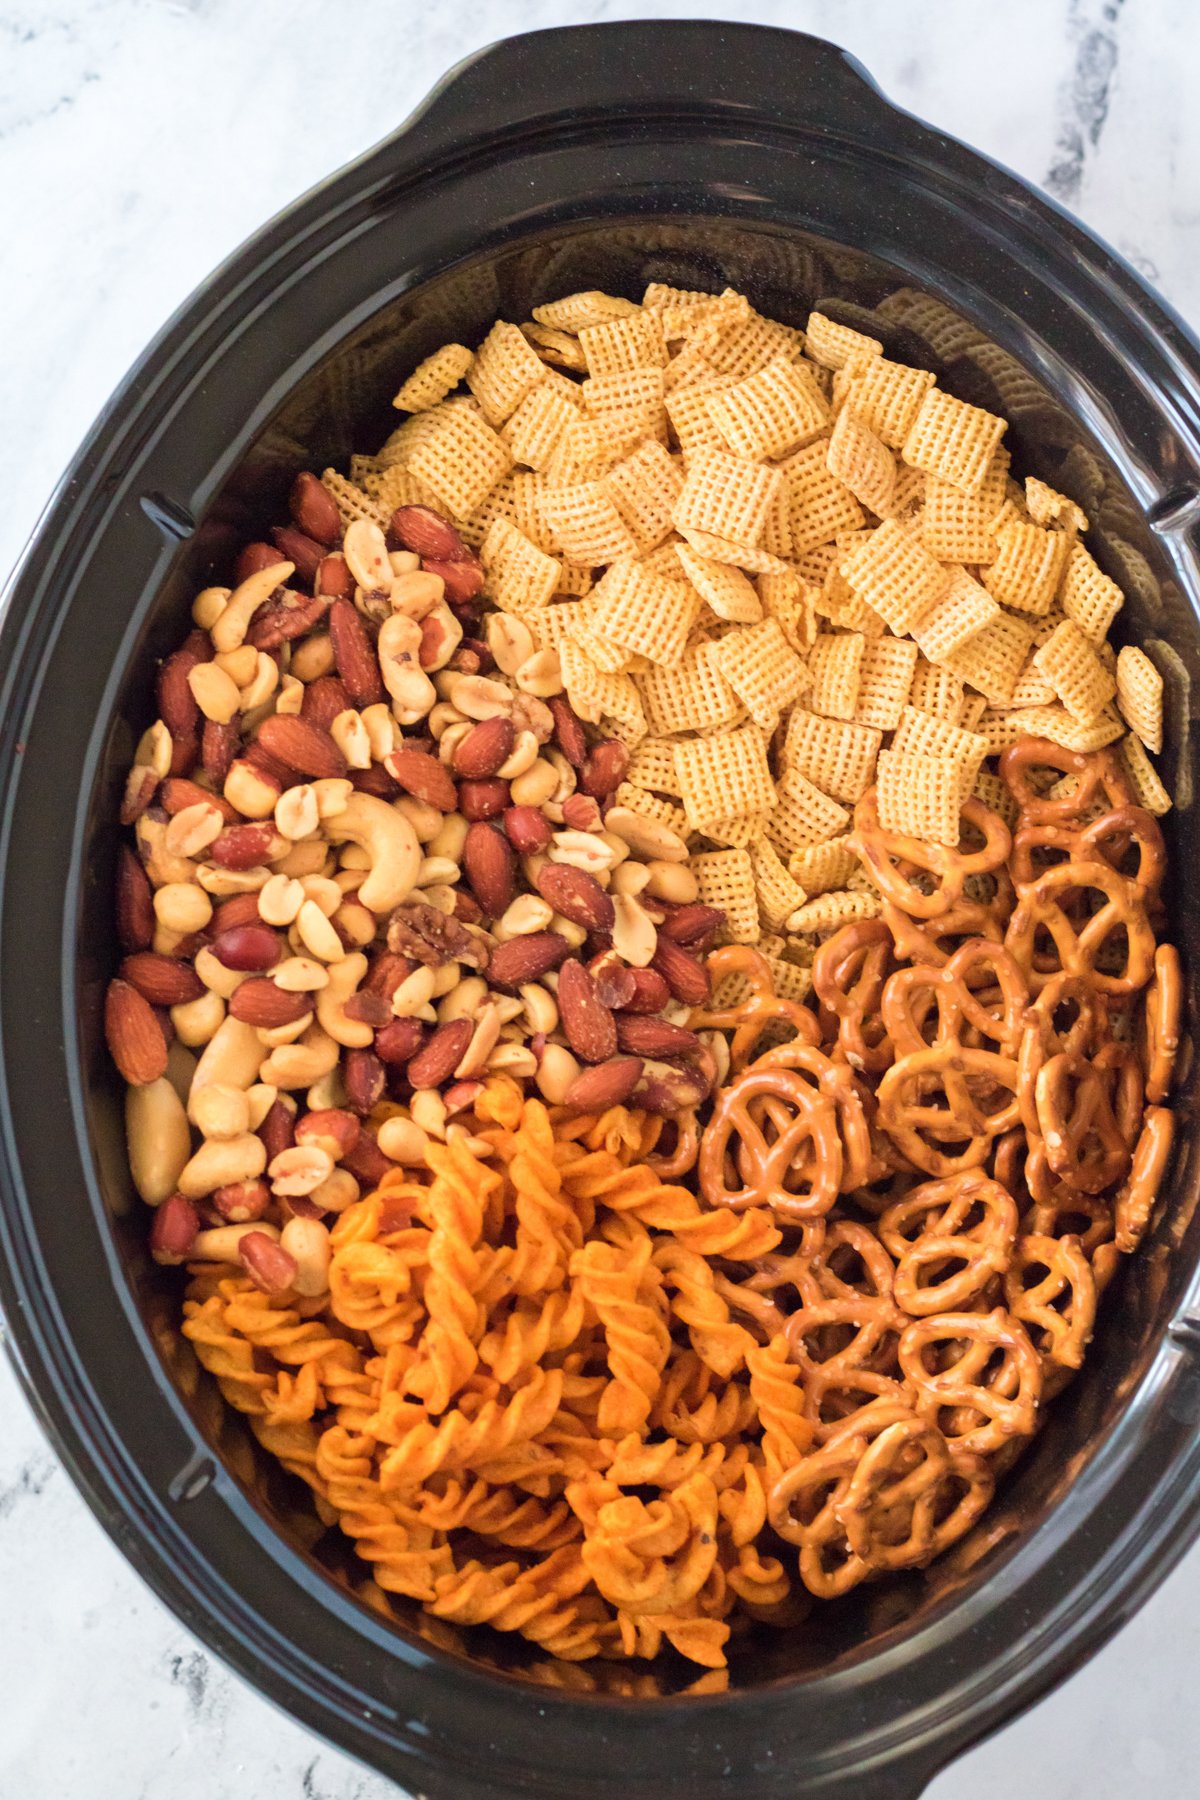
597,157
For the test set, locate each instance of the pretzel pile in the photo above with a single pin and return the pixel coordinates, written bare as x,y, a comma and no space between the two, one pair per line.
964,1136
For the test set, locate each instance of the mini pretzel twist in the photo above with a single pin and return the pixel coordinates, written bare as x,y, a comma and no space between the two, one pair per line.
911,1118
750,1018
1043,909
955,991
888,854
950,1239
1099,775
848,974
997,1405
766,1127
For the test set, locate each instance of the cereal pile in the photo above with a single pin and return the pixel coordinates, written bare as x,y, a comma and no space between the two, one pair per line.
642,1005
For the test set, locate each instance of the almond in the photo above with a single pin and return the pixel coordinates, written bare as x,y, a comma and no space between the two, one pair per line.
245,846
691,924
423,776
176,702
178,793
595,1090
587,1023
162,980
375,780
683,973
577,895
490,864
527,829
333,578
296,547
239,909
569,734
269,1266
364,1079
399,1041
287,614
439,1058
173,1229
421,529
251,948
323,700
524,959
604,770
354,654
134,903
302,746
485,799
312,507
463,580
654,1037
218,747
485,748
387,972
278,1129
650,992
241,1202
135,1037
581,813
259,1002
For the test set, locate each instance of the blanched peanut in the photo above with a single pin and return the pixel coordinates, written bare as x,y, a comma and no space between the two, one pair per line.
299,1170
403,1141
479,697
536,785
307,1241
240,664
313,658
328,1093
403,561
633,934
436,868
224,882
218,1111
220,1245
231,1057
521,759
326,893
646,837
445,980
631,877
296,812
541,675
425,820
260,1099
449,839
300,975
354,921
308,858
250,791
416,592
158,1139
154,750
380,728
317,934
584,850
463,1000
672,881
299,1065
350,735
333,793
541,1009
574,934
208,606
219,1162
280,899
527,913
414,992
215,692
291,696
194,828
442,716
429,1111
196,1021
336,1193
510,641
484,1040
182,907
513,1059
556,1071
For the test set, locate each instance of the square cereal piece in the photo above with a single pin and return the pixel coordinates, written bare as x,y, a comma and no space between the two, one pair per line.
803,815
884,681
575,311
632,341
762,669
693,697
791,602
694,427
574,579
921,734
525,504
462,459
725,589
644,488
953,441
819,868
862,462
629,399
587,524
886,396
777,532
518,577
398,486
652,766
992,660
690,366
833,345
779,894
961,527
1140,695
936,690
952,621
420,427
505,368
586,449
643,612
726,879
973,708
1048,507
776,410
535,428
738,832
560,349
1028,566
837,756
1089,596
612,658
1148,790
352,503
909,497
996,797
726,496
1032,688
597,695
835,669
829,912
652,806
550,625
1068,662
660,294
920,796
895,574
434,378
820,506
748,345
723,774
740,556
501,503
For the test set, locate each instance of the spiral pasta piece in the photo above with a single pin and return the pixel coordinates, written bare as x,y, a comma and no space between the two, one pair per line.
453,1207
626,1291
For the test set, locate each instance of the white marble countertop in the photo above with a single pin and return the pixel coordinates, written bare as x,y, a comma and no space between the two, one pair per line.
140,141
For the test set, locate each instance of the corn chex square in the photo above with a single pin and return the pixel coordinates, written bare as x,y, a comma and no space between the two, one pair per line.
820,506
886,396
884,681
1148,789
728,592
534,430
1028,566
505,367
791,602
1089,596
739,831
834,345
560,349
644,488
652,766
695,696
434,378
937,690
835,669
920,796
762,669
585,520
693,424
779,893
726,879
722,774
518,577
837,756
749,343
1048,507
992,660
590,306
895,574
1069,663
862,462
742,556
642,612
1140,695
820,868
632,341
461,458
953,440
952,621
779,408
652,806
726,496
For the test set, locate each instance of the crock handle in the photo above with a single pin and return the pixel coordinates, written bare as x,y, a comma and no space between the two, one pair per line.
656,67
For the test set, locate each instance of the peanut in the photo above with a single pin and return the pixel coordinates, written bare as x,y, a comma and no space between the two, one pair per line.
182,907
196,1021
214,692
556,1071
403,1141
672,881
219,1162
158,1139
307,1242
218,1111
536,785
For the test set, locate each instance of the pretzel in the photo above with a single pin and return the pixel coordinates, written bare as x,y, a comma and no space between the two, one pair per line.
933,942
1065,1331
762,1125
966,1381
894,1509
848,974
931,1230
963,1120
958,1004
1042,1038
1041,907
1129,826
816,1335
1161,1022
1140,1190
1084,1146
886,853
750,1018
837,1083
1100,779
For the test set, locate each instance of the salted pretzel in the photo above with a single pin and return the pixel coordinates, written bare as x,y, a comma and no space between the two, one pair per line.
1004,1402
682,1134
950,1239
1108,838
954,991
934,941
1100,782
1161,1023
1045,1032
766,1127
889,853
838,1083
1059,1308
906,1113
1084,1145
848,974
1042,910
895,1510
1140,1190
750,1018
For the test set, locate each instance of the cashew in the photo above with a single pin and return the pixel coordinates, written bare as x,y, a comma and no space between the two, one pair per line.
160,1143
229,631
300,1065
388,839
221,1161
399,649
345,978
230,1058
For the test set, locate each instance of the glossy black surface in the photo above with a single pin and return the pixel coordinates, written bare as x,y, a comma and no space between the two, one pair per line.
609,156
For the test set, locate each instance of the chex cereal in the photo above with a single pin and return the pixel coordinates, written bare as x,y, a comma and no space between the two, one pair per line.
1140,694
896,575
762,669
642,612
727,496
725,773
434,378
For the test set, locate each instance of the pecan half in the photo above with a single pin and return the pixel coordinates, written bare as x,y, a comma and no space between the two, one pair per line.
434,938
